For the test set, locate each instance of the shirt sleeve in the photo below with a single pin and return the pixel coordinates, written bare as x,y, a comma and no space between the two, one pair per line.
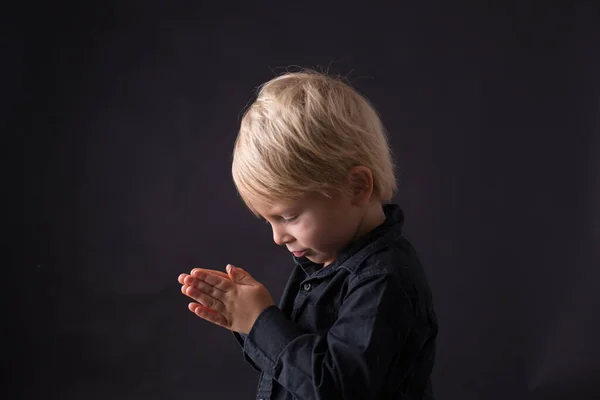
241,339
353,359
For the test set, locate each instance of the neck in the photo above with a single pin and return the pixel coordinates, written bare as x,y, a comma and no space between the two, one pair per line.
372,218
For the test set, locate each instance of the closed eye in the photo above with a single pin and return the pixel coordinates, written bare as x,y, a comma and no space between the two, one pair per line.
285,220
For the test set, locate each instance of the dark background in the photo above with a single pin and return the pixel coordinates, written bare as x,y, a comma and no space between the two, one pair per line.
127,112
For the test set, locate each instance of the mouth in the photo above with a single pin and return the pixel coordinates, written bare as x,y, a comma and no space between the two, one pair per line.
299,253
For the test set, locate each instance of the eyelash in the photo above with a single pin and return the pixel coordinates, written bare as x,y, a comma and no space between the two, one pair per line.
286,221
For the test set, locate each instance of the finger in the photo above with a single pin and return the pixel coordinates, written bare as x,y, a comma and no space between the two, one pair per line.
221,283
211,271
209,315
181,278
194,294
204,287
184,289
204,299
194,306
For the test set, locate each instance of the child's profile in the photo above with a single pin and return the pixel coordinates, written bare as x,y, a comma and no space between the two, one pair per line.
356,318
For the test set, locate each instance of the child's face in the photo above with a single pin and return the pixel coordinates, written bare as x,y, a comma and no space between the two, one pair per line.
314,226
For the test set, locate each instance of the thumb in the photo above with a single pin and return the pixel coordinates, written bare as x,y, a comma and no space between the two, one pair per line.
239,275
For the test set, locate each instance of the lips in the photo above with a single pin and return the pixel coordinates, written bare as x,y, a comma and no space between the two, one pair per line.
299,253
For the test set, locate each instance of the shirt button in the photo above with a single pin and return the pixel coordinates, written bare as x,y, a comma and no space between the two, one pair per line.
307,286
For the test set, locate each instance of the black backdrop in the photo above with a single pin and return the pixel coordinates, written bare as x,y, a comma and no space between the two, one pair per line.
128,112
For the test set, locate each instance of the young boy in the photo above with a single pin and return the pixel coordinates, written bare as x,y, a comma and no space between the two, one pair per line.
356,319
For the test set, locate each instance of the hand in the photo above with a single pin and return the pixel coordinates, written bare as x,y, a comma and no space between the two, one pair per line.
233,300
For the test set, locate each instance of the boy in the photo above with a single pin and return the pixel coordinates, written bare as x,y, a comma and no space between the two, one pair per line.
356,319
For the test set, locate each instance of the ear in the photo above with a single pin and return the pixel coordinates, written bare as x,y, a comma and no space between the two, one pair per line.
361,184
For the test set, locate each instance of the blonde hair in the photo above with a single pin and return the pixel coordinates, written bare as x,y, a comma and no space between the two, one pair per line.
302,134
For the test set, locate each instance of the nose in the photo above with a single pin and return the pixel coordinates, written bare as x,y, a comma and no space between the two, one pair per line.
280,236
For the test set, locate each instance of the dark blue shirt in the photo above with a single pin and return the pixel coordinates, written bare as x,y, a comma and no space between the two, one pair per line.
362,328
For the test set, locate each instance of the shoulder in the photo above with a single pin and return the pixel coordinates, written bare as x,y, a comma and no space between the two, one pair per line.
395,258
397,268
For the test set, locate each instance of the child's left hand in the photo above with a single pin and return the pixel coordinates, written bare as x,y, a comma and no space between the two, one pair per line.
233,301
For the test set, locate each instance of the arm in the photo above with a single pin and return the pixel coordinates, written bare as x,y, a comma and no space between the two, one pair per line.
241,338
353,360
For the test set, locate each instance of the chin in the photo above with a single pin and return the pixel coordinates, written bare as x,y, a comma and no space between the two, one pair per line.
313,259
320,260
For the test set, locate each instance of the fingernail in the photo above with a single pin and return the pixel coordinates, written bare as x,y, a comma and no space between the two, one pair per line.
228,268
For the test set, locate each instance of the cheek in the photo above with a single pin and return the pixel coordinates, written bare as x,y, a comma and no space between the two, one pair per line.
341,230
324,239
309,234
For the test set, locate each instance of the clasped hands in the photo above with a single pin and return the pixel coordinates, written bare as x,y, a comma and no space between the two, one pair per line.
233,300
